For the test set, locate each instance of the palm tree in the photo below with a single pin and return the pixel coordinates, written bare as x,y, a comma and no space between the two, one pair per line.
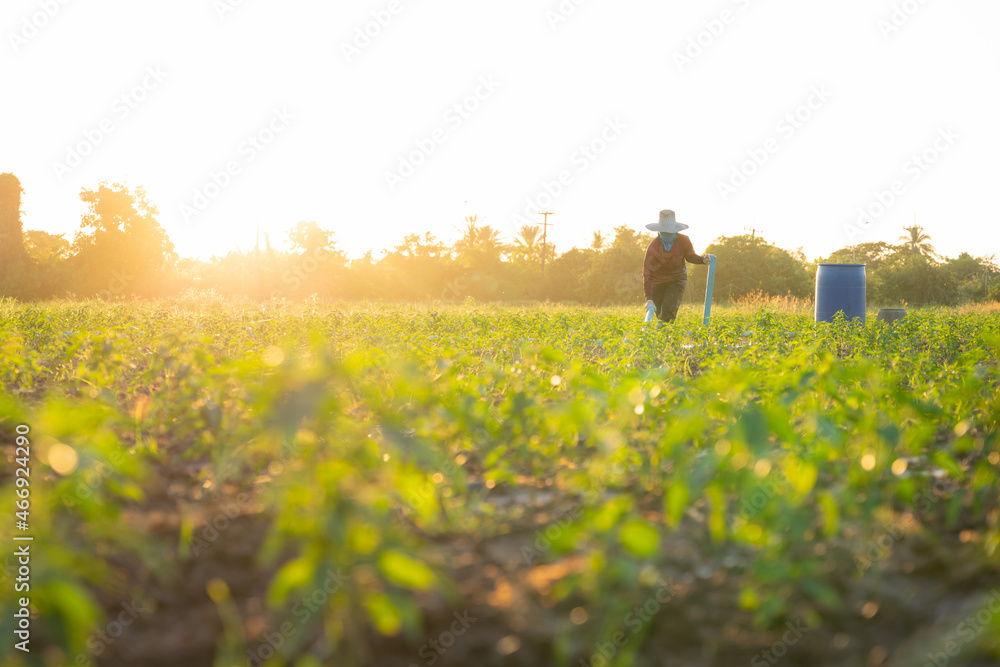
470,236
490,244
916,242
489,238
478,244
598,242
525,246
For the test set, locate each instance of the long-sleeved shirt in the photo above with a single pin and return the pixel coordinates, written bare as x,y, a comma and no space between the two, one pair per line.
667,266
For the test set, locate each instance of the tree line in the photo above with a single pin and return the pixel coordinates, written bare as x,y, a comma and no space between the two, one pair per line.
121,250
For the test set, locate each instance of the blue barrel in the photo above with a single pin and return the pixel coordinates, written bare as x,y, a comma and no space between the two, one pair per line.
840,287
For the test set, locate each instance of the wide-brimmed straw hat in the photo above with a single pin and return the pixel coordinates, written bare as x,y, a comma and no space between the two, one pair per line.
667,223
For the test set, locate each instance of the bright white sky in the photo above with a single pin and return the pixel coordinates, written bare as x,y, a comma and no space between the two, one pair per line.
677,130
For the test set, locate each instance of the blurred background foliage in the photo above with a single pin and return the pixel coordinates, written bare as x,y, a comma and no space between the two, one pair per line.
121,251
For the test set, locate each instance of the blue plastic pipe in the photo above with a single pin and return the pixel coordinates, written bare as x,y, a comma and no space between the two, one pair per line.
708,289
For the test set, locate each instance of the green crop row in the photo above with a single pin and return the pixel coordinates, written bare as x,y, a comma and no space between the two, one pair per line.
368,439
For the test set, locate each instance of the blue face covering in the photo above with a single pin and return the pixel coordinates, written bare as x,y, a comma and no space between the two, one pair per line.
667,240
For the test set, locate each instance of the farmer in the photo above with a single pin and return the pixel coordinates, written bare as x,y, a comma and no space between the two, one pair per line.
664,273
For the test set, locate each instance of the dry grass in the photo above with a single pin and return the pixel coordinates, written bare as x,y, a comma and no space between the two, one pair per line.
788,304
987,308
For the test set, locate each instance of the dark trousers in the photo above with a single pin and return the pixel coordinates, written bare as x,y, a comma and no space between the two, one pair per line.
667,298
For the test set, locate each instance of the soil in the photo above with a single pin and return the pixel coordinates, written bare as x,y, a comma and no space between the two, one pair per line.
922,593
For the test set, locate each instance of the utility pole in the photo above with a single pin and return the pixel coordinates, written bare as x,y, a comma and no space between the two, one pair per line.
753,231
545,230
256,256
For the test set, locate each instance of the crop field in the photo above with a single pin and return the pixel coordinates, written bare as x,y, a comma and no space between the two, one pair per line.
225,483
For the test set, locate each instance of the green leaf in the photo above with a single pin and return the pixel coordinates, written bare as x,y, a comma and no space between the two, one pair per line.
749,599
184,540
985,476
607,517
942,458
752,424
831,514
387,620
676,501
75,604
822,593
404,571
363,539
890,434
801,475
906,490
640,538
294,575
717,516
